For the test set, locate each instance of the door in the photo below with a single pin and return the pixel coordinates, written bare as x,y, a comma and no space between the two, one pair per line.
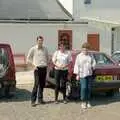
65,37
93,40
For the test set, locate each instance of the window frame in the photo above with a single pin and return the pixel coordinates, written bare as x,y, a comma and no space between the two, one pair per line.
87,2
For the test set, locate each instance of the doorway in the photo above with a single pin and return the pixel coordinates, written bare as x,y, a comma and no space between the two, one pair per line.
65,37
93,40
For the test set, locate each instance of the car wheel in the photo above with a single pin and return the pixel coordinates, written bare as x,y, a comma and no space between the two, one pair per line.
7,92
110,93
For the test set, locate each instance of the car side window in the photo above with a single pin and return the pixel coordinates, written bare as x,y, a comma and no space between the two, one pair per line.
102,59
3,59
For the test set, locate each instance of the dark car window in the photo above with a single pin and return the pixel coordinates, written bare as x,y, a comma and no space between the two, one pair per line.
116,57
3,59
101,58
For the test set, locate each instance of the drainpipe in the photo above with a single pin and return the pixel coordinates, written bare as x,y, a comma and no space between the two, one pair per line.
112,40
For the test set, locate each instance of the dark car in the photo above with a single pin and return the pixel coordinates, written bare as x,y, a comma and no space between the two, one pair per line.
7,71
106,75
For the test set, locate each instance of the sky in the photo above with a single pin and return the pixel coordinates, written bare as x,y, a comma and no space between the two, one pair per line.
67,4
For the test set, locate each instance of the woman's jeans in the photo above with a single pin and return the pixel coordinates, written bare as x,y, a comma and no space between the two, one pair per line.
85,84
61,79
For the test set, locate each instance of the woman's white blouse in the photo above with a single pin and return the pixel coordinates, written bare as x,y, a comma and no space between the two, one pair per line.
61,58
84,65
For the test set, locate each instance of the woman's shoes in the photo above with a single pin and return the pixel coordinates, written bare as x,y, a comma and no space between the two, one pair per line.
56,102
85,105
89,105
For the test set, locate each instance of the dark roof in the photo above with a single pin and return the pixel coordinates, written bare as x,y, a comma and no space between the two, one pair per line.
33,10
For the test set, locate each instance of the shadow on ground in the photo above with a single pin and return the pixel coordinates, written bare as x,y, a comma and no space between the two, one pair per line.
97,99
102,99
21,95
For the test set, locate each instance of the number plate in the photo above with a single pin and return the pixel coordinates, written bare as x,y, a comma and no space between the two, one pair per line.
104,78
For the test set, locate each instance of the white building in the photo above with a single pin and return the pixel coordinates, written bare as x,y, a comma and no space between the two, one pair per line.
22,21
104,16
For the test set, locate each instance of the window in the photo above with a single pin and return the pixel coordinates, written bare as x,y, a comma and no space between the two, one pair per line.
116,57
87,1
102,59
3,60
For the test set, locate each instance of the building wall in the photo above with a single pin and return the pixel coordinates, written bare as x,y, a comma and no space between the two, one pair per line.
117,39
101,9
23,36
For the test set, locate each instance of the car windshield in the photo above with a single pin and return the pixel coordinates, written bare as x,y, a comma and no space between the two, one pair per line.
101,58
116,57
3,60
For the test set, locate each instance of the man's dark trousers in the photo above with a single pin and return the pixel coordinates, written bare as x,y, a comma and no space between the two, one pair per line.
39,83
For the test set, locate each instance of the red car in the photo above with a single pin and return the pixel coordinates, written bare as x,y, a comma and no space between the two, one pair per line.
7,71
106,75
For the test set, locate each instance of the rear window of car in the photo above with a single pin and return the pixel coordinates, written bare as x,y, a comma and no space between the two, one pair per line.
116,56
101,58
3,59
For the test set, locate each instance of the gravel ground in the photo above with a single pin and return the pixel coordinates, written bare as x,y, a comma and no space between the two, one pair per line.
19,107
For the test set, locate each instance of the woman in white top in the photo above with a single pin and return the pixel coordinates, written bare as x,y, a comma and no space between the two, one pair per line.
61,59
83,69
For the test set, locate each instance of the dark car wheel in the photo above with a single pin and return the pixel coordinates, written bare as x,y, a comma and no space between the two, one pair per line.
112,92
7,92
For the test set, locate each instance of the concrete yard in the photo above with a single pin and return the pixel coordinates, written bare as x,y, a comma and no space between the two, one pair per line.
19,107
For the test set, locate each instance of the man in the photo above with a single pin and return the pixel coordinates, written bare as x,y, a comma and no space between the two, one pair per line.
38,59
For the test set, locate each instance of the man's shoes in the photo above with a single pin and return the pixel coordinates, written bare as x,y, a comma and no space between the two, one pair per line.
41,102
33,104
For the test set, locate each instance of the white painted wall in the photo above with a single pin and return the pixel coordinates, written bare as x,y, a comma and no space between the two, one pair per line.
117,39
23,36
101,9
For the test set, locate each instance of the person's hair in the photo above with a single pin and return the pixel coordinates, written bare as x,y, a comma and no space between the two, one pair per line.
86,45
61,43
39,37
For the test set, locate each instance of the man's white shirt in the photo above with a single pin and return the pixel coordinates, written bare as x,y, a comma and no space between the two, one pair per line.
39,57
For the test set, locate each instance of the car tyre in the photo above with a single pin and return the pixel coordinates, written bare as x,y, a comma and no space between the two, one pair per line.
110,93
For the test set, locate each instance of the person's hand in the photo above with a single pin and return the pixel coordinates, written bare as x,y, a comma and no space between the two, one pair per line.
77,77
63,66
34,67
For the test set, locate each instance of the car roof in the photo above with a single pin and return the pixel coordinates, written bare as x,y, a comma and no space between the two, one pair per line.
116,52
4,44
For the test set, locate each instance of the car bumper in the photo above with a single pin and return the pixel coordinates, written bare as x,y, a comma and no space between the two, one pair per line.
106,84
